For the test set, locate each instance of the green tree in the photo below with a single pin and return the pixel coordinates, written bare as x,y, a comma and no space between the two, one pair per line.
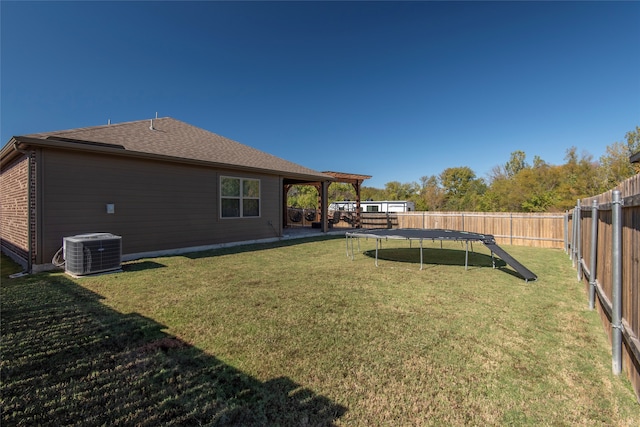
633,140
372,193
537,188
532,189
394,190
538,162
516,163
302,196
432,196
580,179
463,191
501,196
615,166
633,144
338,191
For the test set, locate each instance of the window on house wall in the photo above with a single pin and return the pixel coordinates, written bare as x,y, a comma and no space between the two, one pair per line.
239,197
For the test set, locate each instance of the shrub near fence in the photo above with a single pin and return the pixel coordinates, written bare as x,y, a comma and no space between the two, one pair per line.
605,248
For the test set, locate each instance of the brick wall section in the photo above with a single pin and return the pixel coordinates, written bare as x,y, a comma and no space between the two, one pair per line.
14,206
32,205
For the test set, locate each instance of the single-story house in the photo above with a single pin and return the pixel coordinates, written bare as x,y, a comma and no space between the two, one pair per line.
163,185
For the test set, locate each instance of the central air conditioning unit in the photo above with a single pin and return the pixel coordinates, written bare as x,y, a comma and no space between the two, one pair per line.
92,253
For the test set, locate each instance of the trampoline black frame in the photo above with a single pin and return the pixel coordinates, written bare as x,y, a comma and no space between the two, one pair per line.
434,234
419,234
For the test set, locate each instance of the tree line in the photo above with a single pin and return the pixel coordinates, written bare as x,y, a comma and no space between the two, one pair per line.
516,186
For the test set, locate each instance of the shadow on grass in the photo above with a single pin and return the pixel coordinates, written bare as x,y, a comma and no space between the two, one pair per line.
138,265
67,359
435,256
258,246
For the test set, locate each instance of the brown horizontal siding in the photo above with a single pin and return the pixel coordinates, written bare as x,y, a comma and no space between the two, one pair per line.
241,229
158,205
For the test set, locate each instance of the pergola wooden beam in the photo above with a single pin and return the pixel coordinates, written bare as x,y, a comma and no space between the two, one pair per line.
356,181
321,186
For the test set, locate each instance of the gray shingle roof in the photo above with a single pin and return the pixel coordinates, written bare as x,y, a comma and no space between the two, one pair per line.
174,138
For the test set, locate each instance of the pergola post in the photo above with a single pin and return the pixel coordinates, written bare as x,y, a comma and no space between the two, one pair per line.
356,186
319,211
322,187
285,207
356,181
324,206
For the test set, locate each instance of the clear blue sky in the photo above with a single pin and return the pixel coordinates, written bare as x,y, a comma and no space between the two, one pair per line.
396,90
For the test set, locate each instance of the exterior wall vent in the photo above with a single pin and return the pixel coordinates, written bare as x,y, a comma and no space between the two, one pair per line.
92,253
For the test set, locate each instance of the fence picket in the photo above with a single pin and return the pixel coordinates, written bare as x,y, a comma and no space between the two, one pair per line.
619,309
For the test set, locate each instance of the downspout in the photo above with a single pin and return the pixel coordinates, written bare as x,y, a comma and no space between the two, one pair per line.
29,178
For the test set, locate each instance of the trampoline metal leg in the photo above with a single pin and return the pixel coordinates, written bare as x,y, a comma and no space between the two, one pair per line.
377,240
421,254
466,257
353,254
346,239
350,239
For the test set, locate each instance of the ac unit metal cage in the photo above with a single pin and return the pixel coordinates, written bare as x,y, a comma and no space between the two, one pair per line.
92,253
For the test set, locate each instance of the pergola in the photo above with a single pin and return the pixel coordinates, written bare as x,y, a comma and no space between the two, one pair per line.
350,178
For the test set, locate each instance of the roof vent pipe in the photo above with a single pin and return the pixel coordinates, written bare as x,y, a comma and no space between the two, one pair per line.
151,125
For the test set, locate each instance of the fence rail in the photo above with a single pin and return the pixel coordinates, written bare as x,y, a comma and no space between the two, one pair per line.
604,246
545,230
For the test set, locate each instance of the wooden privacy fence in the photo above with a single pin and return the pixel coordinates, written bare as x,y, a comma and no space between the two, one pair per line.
545,230
605,248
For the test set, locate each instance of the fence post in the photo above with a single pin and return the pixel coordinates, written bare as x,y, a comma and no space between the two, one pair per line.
572,252
616,312
593,253
579,241
566,232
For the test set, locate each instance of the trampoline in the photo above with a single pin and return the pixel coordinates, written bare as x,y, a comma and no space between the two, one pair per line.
418,234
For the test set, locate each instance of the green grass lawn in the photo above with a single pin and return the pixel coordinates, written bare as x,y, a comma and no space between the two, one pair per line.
296,333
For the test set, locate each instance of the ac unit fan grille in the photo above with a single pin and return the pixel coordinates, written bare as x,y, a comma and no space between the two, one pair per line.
94,253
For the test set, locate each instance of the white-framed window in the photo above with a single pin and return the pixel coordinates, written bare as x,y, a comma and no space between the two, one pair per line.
239,197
